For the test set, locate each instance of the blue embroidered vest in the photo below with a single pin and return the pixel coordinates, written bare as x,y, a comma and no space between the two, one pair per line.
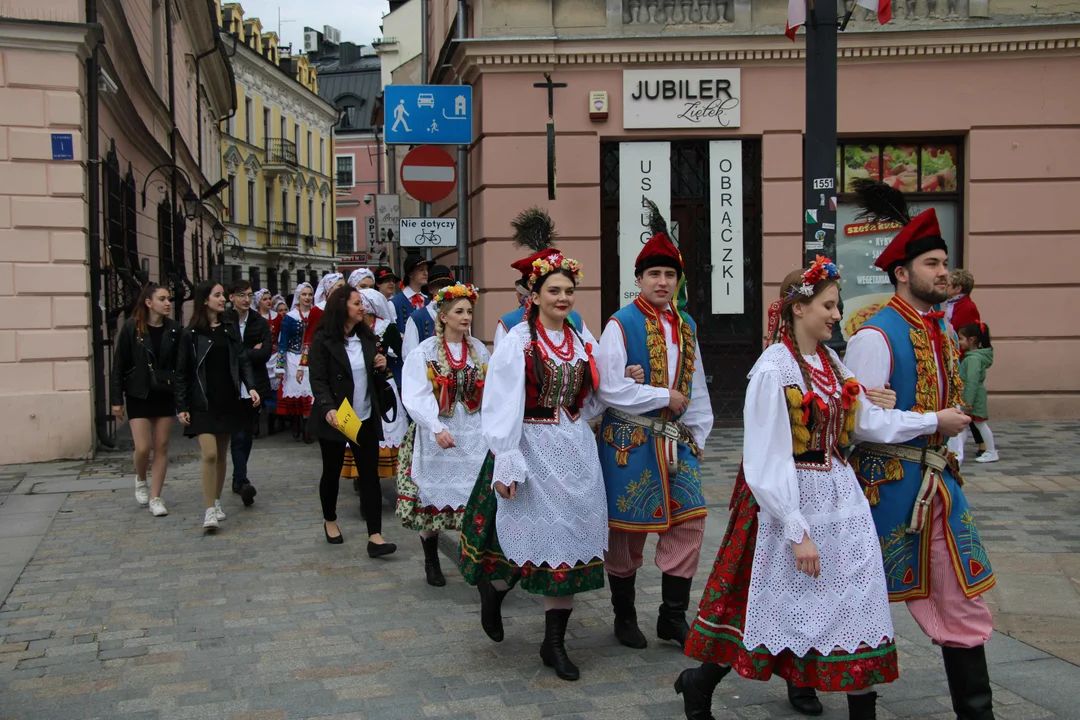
892,485
405,309
516,317
425,324
643,496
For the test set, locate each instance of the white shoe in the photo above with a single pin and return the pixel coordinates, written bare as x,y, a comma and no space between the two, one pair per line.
157,507
210,520
988,457
142,492
217,509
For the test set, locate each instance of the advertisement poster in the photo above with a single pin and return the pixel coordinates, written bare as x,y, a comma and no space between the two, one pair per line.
864,288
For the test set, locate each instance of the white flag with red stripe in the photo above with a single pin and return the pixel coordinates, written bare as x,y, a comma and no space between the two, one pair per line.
796,13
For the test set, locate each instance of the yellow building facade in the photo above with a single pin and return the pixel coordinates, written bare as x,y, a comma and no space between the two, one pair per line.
277,154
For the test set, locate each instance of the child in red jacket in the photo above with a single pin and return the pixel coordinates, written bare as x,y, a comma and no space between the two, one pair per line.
960,310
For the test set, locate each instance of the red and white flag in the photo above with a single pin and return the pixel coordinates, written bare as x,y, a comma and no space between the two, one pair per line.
796,13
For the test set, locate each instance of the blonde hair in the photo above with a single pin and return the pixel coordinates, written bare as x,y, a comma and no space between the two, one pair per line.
444,364
963,279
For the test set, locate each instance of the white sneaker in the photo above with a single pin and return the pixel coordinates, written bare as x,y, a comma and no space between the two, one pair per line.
217,509
988,457
157,507
142,492
210,521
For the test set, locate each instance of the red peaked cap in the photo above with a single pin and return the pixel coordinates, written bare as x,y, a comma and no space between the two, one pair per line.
923,225
656,251
524,265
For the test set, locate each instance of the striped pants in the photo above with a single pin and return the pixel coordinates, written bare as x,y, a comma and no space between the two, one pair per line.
677,550
948,616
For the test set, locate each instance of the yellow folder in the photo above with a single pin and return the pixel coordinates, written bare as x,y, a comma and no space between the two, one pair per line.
348,423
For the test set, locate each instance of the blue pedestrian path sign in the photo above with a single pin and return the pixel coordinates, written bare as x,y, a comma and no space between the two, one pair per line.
427,115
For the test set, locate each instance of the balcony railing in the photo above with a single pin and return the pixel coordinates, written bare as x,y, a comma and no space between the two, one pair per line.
282,151
284,236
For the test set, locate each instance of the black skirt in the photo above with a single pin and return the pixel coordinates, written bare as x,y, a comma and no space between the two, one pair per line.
156,405
216,422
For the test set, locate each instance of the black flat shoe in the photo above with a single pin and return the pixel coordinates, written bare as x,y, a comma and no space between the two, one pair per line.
377,551
247,494
804,699
333,540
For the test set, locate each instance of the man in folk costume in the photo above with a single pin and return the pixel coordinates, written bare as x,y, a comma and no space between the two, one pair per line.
411,299
934,558
651,440
533,229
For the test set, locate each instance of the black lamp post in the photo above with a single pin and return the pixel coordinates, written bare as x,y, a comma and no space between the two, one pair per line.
190,200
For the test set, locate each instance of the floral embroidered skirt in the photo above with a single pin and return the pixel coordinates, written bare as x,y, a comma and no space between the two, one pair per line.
413,514
482,557
717,631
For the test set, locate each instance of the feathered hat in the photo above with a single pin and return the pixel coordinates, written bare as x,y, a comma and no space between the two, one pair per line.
659,251
533,229
882,203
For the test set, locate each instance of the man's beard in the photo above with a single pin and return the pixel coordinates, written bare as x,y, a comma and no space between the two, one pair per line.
926,292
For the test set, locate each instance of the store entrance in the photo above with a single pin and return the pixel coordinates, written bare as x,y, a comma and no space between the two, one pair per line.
730,344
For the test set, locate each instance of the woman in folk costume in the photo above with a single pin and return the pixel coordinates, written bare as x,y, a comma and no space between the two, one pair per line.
362,279
533,230
538,513
444,447
263,301
297,328
798,587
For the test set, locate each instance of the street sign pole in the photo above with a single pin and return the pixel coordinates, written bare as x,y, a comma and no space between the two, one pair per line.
819,148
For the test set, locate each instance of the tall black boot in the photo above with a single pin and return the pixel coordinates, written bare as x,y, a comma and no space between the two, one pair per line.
804,699
271,424
696,686
307,436
626,625
671,623
553,649
969,682
491,609
862,707
431,561
296,427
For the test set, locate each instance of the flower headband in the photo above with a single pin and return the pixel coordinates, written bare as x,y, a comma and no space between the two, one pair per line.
456,291
555,261
822,268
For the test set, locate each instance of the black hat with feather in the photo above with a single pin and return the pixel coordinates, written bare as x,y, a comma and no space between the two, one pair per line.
533,229
883,204
659,251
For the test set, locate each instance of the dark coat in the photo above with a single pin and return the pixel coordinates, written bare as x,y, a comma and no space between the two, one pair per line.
191,372
134,360
332,382
257,331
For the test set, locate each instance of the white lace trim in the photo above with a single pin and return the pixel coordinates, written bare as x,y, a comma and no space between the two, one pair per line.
289,387
394,432
777,357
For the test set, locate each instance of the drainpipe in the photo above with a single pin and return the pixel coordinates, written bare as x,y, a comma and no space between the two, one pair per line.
178,288
464,271
102,412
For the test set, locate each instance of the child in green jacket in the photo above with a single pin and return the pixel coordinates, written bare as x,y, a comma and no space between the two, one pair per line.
977,358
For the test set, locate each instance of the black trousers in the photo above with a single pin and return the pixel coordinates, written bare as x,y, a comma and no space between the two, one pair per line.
366,453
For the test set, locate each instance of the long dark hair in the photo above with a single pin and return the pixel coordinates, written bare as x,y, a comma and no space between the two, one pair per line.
979,331
332,321
141,313
200,318
533,316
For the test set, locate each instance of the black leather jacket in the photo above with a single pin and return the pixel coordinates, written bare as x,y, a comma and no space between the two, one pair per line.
257,332
134,360
191,372
332,382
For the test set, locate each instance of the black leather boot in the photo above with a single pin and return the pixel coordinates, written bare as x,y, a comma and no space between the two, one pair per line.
696,686
622,600
431,561
271,424
969,682
307,436
553,649
804,699
862,707
491,609
671,624
296,427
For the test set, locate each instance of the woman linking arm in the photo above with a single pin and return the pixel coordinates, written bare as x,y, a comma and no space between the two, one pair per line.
211,364
143,371
442,384
345,365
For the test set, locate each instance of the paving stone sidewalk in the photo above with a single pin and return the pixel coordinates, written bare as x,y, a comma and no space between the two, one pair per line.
121,615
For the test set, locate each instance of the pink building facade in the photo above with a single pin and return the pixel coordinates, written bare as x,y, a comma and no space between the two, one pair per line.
358,181
980,122
76,239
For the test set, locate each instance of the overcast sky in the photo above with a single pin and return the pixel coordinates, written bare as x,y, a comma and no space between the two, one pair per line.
358,20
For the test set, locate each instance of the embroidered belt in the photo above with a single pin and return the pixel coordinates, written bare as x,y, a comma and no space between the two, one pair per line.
671,432
932,460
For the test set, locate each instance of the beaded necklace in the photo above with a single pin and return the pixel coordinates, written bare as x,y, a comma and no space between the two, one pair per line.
564,350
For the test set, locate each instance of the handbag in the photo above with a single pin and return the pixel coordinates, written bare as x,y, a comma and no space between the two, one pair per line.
161,380
386,396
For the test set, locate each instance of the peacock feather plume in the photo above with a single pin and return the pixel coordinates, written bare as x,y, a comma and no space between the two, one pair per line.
534,229
880,202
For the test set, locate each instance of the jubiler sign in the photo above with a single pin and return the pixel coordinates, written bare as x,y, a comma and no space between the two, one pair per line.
676,98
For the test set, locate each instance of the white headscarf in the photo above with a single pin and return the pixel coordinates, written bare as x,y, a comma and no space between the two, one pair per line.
357,275
296,298
259,294
324,288
375,303
275,301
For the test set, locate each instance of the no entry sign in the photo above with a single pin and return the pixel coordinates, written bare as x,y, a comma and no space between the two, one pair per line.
428,173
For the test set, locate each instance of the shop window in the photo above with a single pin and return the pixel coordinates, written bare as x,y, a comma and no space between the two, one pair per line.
927,173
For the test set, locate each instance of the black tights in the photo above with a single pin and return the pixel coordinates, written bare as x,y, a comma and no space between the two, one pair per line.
366,454
976,434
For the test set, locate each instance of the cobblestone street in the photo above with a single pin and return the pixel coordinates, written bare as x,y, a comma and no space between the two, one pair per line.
113,613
